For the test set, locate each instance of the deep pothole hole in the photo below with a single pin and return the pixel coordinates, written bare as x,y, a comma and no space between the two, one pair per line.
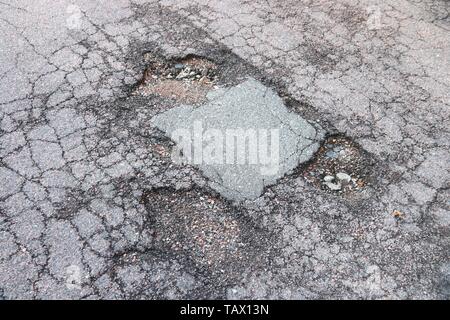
187,78
205,229
340,166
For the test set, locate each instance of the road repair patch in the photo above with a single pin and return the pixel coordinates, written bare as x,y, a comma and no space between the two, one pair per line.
243,139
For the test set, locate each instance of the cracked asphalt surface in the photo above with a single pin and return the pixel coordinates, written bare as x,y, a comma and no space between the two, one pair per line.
92,207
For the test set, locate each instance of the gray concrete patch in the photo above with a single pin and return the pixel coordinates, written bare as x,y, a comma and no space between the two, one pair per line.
249,109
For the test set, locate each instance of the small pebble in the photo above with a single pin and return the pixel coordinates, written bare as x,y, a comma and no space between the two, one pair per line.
331,154
342,176
333,186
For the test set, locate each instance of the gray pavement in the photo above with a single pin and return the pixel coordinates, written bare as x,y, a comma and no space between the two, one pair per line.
243,140
92,205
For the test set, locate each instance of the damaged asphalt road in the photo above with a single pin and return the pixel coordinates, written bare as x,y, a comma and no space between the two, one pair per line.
93,207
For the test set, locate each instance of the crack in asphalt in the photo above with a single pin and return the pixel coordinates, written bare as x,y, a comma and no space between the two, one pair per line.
77,151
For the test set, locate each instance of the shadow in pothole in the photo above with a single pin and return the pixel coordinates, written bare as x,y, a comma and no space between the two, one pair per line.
202,229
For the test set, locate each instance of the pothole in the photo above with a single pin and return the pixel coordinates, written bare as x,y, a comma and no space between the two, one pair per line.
203,228
186,80
340,166
218,92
